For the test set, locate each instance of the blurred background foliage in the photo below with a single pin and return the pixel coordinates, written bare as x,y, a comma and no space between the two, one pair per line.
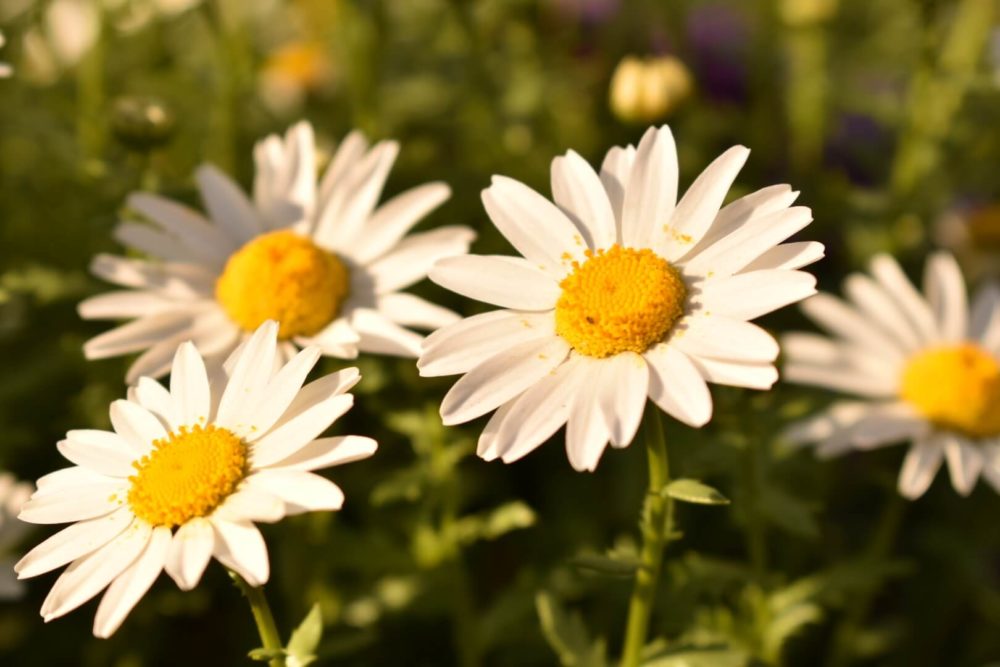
882,112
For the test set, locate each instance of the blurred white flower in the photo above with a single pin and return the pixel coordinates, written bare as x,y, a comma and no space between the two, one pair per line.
622,293
643,90
185,475
927,371
320,259
13,494
5,69
68,31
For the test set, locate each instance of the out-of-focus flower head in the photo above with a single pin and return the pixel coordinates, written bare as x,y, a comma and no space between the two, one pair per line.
719,40
973,235
67,32
292,72
645,90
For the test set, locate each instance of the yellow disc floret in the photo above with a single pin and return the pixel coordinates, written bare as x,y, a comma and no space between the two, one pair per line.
619,300
955,387
187,475
285,277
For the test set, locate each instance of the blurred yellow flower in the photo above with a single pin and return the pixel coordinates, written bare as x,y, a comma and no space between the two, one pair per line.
643,90
291,72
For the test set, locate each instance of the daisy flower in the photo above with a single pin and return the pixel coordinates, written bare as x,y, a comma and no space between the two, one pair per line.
925,370
5,69
185,474
320,259
13,494
622,292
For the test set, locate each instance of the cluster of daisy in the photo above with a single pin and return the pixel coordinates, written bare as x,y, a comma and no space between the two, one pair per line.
621,291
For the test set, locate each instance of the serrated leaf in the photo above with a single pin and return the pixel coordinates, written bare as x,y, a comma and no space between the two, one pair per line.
305,638
693,491
264,654
567,635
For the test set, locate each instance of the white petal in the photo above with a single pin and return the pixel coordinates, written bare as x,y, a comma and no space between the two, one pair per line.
721,337
240,547
156,361
250,375
151,241
137,335
189,386
129,586
699,206
350,151
879,308
301,491
622,389
190,551
842,320
73,542
586,432
677,387
326,452
534,226
464,345
985,315
745,211
101,451
257,418
501,378
842,378
393,219
125,304
538,413
749,295
338,339
736,374
945,290
412,259
486,445
412,311
88,576
508,282
789,256
888,424
920,466
153,396
577,189
615,173
964,463
250,504
831,427
227,205
136,425
185,224
75,503
888,273
651,192
380,335
179,281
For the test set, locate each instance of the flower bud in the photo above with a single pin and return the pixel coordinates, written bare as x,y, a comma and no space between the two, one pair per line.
643,90
141,123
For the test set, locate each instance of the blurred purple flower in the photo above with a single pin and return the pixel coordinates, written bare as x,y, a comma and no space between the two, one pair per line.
587,11
858,145
719,37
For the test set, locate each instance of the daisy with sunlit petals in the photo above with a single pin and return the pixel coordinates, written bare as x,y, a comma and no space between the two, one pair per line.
321,260
622,293
184,475
926,370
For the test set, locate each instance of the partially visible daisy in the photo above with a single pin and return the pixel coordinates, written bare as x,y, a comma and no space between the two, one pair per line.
320,259
5,69
622,292
925,370
185,474
13,494
972,234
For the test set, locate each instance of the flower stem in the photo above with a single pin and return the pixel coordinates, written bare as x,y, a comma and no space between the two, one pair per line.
657,525
262,616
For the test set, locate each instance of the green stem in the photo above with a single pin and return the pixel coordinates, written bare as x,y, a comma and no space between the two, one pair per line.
845,636
262,616
657,524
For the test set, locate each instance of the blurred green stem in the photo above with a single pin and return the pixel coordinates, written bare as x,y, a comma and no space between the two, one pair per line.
232,64
657,525
262,616
806,93
845,636
90,117
936,93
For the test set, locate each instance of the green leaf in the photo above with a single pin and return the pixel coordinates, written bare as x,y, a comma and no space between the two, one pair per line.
567,635
693,491
265,654
305,638
697,656
610,564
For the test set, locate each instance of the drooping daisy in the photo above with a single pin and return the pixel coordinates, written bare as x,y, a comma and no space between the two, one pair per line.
185,474
925,370
622,293
5,69
13,494
321,260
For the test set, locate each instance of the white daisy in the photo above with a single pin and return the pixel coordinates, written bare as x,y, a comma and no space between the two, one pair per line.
5,69
184,475
321,260
926,371
13,494
622,293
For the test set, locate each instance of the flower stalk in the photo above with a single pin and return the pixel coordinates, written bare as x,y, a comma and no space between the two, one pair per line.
262,616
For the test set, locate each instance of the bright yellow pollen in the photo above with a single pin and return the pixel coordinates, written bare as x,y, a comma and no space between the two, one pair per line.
284,277
187,475
955,387
619,300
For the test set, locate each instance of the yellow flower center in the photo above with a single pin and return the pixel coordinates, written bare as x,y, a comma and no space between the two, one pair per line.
619,300
187,475
284,277
955,387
